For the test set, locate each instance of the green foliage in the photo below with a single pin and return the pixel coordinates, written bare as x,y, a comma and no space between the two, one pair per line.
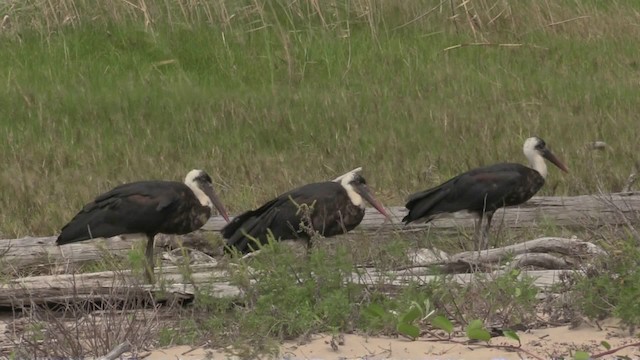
509,298
98,93
442,323
476,331
581,355
295,294
612,286
402,314
136,260
512,335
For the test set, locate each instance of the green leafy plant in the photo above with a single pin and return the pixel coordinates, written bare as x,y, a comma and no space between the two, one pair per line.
611,286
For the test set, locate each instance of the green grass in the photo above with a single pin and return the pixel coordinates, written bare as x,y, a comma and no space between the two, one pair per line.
267,96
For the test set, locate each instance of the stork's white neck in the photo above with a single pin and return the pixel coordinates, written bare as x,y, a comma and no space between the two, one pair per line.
345,181
190,181
356,199
537,163
202,197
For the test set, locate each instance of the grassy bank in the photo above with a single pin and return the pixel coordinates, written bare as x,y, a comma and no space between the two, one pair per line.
270,95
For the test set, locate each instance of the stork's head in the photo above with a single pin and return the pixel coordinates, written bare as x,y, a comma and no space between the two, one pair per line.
357,189
534,148
202,186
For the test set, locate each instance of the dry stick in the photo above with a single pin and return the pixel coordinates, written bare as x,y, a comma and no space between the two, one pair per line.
419,16
621,214
505,347
493,44
191,350
568,20
611,351
633,177
470,19
117,351
630,181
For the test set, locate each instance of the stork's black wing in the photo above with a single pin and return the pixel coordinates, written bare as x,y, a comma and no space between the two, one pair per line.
283,215
478,190
139,207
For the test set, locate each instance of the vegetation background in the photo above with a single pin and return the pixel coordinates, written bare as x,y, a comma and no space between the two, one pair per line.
268,95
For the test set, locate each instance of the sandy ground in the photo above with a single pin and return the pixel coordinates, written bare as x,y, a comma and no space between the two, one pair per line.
544,343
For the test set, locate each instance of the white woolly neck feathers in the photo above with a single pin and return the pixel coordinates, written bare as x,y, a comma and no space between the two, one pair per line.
192,183
536,161
345,180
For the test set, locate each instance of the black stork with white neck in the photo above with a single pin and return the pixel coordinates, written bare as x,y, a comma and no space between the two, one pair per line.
484,190
149,208
336,207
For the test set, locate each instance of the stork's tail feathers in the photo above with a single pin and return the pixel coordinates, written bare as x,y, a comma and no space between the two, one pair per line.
421,205
76,230
248,231
87,225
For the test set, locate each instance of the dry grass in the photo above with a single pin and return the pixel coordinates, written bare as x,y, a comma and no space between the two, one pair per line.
79,328
270,95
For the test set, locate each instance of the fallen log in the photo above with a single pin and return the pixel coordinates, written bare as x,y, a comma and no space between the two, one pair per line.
62,289
533,253
585,211
582,210
544,279
176,283
32,251
185,281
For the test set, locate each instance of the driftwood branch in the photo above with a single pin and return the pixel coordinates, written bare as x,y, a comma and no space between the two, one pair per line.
534,253
583,211
545,261
33,251
117,351
39,290
185,282
563,246
178,283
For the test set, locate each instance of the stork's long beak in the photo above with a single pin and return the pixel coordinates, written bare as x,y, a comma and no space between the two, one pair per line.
547,154
208,189
364,191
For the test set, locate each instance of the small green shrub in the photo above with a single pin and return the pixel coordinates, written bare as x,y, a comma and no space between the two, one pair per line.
611,287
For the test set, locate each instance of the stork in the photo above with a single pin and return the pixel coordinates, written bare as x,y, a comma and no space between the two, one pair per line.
484,190
149,208
335,207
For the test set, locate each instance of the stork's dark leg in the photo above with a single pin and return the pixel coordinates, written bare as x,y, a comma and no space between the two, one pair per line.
484,245
477,233
148,268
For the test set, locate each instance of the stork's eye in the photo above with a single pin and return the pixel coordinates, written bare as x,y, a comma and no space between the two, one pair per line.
540,145
358,179
205,178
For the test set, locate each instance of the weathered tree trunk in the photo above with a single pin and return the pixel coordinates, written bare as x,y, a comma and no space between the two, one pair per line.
185,281
585,211
534,253
38,290
115,285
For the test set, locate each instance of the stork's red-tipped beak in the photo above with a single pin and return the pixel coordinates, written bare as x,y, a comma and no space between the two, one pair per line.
216,202
364,191
547,154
